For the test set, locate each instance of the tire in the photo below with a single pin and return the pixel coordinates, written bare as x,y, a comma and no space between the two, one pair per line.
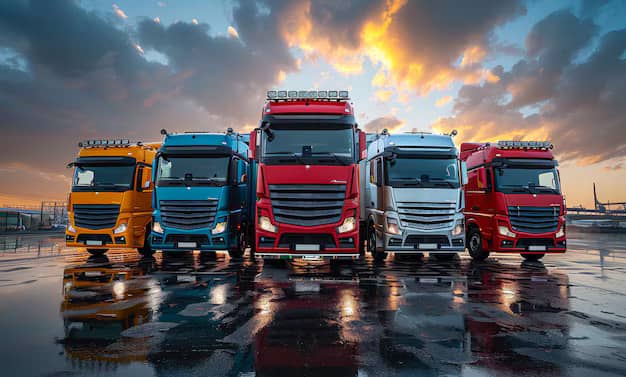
97,252
533,257
238,251
362,242
146,249
379,256
475,245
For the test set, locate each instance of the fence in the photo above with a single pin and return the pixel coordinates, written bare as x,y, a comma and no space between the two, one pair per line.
40,247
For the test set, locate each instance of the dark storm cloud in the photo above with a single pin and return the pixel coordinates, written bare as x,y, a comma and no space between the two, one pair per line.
578,103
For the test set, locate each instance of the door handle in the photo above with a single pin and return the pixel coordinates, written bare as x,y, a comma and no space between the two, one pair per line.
475,208
372,203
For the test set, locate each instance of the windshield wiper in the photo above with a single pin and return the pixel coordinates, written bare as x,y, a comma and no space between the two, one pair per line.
546,188
407,181
288,154
515,188
334,156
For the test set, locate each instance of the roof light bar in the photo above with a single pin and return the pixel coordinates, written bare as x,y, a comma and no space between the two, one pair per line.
511,144
308,94
104,143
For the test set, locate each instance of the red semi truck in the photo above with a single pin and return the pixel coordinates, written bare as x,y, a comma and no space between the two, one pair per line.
308,147
513,200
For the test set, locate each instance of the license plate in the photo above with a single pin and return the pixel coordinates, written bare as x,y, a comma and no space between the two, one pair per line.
307,286
311,257
536,248
427,246
91,274
187,245
185,278
93,243
307,247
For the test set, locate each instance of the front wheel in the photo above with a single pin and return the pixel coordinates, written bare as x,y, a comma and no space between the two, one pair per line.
240,248
379,256
475,245
532,257
146,249
97,252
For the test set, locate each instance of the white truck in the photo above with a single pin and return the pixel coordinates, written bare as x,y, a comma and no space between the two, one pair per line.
412,195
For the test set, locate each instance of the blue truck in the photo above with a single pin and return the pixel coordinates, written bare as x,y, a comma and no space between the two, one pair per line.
204,193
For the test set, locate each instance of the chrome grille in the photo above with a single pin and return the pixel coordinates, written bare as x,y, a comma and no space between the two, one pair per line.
307,205
534,219
96,216
188,214
426,215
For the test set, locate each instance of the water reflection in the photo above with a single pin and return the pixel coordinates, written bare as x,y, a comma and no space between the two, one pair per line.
193,314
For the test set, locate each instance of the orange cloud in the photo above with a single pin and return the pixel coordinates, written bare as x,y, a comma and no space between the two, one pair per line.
443,101
119,12
233,32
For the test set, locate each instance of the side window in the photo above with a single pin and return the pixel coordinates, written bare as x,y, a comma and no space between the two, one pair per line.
139,178
234,171
379,171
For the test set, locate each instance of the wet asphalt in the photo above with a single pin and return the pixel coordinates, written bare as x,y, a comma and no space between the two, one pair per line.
206,315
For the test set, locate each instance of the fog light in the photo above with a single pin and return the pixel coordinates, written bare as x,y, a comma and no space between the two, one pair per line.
156,227
504,230
266,224
348,225
219,228
120,229
392,226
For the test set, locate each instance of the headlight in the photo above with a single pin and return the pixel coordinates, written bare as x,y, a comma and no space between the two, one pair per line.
561,232
392,226
348,225
266,224
504,230
219,228
120,229
459,228
156,227
70,228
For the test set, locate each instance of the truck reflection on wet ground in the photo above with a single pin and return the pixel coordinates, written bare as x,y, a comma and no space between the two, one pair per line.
205,314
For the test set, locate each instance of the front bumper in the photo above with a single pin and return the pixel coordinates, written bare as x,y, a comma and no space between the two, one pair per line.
528,243
104,238
413,241
187,240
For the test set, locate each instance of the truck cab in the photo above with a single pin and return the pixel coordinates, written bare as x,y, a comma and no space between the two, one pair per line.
110,205
202,199
412,190
514,199
308,147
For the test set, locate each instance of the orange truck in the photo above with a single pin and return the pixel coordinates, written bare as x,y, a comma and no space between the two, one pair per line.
110,205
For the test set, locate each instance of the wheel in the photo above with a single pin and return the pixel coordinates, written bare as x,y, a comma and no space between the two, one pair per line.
532,257
97,252
240,248
475,245
146,249
362,236
379,256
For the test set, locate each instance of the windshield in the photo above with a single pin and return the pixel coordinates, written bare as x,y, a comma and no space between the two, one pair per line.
192,171
309,145
527,180
423,172
103,178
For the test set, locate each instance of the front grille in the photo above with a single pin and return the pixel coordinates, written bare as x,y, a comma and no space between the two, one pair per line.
525,242
188,214
96,216
307,205
534,219
197,238
422,215
291,240
414,240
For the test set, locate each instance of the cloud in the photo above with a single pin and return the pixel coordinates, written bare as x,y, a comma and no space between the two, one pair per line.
119,12
232,32
551,93
389,122
443,101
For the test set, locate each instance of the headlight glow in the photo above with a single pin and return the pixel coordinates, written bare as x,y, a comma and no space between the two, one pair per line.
156,227
219,228
349,223
266,225
561,232
392,226
504,230
459,228
120,229
70,228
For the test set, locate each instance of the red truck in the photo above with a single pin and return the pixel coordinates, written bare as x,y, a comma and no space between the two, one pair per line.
513,200
308,147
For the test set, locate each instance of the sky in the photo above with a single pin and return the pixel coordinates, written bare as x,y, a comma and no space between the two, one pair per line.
493,70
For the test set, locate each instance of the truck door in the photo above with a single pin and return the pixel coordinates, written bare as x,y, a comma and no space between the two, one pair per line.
237,192
142,203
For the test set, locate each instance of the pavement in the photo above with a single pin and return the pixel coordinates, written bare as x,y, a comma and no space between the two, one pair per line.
67,314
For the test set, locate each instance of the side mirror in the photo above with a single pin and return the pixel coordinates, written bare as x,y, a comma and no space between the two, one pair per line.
146,179
244,178
464,179
362,145
253,144
481,176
